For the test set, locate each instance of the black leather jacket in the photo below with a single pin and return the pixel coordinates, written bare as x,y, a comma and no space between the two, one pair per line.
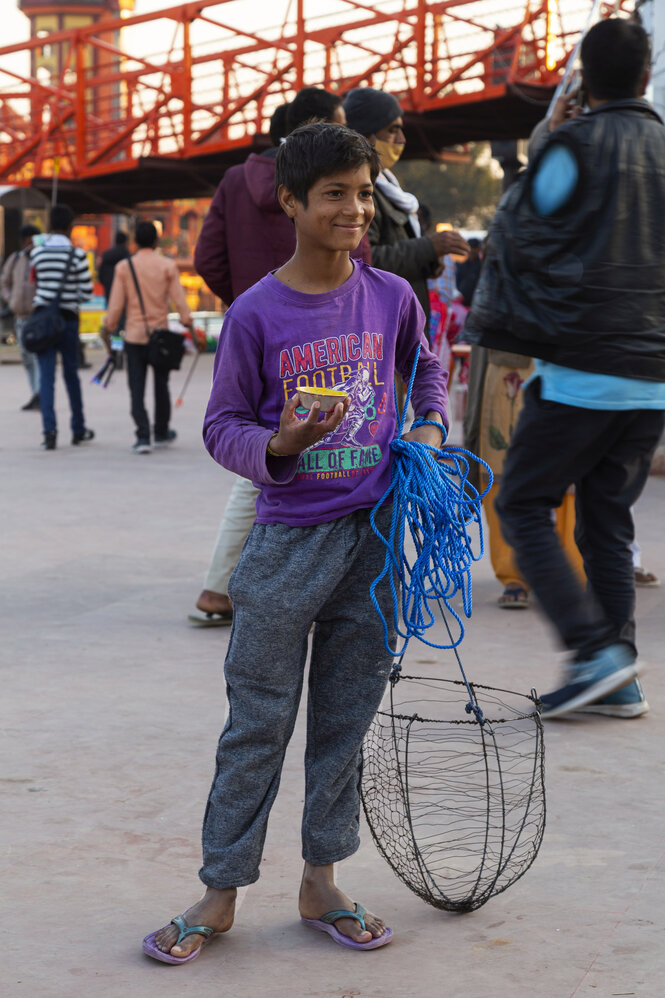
395,248
585,287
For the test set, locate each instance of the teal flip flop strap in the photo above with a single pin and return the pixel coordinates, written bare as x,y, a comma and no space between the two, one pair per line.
331,917
185,930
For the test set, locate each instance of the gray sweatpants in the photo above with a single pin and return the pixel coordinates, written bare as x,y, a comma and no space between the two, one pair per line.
287,578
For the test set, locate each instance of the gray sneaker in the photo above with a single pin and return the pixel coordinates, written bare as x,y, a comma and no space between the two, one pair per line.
627,702
607,670
168,438
142,447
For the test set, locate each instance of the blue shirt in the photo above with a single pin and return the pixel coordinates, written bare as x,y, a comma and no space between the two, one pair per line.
588,390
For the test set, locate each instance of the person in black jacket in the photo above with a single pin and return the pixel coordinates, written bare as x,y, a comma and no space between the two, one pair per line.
110,258
574,276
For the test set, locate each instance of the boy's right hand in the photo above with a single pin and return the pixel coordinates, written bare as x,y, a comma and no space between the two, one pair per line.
296,435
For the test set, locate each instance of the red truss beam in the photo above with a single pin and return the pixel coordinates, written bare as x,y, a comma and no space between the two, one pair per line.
215,81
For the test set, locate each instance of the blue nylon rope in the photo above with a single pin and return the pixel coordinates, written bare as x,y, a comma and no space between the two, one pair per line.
432,497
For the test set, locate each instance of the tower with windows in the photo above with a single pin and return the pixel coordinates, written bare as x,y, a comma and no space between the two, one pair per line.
50,16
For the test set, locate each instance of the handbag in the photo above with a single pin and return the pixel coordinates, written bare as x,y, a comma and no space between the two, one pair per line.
165,348
44,327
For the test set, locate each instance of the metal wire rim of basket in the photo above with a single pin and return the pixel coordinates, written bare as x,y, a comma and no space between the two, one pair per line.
455,804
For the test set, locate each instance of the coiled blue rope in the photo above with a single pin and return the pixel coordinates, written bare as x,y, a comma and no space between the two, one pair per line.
433,499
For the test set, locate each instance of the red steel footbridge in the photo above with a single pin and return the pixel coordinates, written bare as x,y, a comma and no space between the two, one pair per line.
128,107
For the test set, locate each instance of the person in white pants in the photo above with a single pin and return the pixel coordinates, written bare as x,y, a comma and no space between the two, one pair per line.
643,577
236,522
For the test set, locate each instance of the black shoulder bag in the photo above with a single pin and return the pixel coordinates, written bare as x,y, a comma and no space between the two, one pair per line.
44,327
165,349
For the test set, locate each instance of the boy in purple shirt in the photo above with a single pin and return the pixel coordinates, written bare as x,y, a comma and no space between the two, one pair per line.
320,321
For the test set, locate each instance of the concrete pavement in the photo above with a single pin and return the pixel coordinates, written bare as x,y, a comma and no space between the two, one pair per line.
112,705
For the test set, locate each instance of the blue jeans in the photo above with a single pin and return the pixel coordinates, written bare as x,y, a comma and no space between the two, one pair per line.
69,352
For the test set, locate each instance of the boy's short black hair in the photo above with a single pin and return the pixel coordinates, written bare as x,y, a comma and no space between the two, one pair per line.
312,103
61,218
145,235
318,150
615,56
121,238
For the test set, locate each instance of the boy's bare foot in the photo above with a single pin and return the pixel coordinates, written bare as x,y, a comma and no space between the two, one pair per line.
319,895
216,909
210,602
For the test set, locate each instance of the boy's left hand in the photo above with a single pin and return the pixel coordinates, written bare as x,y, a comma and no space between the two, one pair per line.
428,434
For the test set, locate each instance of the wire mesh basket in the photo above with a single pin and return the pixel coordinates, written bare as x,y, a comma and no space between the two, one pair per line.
455,805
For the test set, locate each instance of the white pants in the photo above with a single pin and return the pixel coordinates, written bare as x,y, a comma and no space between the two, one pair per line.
237,520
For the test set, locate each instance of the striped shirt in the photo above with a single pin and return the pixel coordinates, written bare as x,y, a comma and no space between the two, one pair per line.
48,263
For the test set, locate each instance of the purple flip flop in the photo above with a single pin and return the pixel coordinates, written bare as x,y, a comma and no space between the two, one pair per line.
150,947
326,924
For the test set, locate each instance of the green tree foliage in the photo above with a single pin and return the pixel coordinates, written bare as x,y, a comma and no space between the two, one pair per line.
462,193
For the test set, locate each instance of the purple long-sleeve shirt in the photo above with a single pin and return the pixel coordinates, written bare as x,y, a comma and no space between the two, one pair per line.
275,339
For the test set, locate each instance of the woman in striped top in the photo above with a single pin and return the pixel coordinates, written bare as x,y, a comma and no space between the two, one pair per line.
49,262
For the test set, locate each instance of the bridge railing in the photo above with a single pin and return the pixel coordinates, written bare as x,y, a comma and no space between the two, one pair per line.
198,78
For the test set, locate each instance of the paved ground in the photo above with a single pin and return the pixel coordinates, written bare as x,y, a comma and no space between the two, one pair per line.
112,706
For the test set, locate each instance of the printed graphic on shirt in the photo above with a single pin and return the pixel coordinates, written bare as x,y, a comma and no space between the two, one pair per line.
344,363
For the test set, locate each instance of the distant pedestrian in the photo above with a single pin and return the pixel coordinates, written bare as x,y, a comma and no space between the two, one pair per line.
110,258
159,283
18,291
442,294
468,271
48,263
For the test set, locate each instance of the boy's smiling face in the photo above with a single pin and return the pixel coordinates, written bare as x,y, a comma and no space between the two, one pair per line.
338,212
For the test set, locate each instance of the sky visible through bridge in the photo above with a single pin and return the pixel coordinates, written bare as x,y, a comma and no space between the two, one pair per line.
472,23
186,86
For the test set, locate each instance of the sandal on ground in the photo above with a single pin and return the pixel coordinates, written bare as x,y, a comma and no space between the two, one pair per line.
326,924
211,619
643,577
150,947
513,598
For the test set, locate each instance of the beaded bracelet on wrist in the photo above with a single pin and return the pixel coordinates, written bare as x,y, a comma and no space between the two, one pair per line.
269,449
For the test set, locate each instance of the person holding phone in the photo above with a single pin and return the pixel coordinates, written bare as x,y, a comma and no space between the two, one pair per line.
565,281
